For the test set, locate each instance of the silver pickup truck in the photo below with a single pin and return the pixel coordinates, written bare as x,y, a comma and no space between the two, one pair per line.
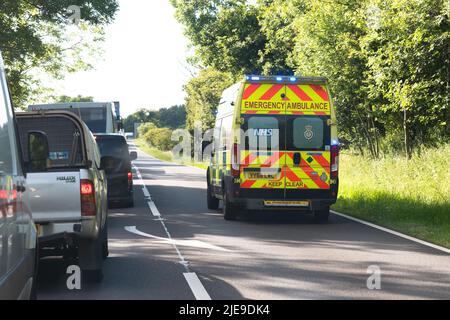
68,190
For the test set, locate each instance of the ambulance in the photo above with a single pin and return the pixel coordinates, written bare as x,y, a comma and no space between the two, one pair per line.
275,147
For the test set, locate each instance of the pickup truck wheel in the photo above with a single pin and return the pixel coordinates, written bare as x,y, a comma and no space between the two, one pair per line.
93,275
229,209
90,252
321,216
105,251
211,201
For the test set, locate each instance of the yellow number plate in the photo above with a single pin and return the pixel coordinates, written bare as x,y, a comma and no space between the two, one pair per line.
282,203
256,175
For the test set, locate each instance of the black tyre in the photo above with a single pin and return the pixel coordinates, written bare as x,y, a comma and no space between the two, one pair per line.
105,249
90,252
321,216
33,293
230,211
211,201
95,276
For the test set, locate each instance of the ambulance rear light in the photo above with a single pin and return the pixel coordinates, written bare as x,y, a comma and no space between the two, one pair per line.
334,161
272,79
235,166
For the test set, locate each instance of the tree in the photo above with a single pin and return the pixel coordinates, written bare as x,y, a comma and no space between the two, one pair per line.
224,33
78,98
36,36
203,95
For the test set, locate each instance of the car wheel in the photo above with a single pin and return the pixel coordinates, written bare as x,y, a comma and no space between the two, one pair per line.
211,201
322,215
229,210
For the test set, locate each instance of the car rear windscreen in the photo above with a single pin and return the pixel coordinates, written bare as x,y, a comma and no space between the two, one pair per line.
114,152
64,139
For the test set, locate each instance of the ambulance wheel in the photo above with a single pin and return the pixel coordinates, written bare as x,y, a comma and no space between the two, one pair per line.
321,216
211,201
229,210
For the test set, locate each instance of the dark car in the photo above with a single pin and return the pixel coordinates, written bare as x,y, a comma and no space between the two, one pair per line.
116,161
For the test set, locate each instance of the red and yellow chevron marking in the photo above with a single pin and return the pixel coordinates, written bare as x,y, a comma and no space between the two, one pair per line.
263,98
307,99
300,99
308,174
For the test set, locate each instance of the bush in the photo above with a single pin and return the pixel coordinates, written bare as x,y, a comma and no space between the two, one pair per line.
159,138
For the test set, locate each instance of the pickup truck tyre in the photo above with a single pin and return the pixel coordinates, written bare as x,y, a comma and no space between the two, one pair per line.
105,251
229,209
211,201
33,293
321,216
90,253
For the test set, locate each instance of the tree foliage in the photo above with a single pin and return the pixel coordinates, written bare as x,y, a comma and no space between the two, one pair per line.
173,117
387,60
36,36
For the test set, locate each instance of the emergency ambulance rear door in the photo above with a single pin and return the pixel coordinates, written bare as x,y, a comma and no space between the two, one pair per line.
263,118
307,138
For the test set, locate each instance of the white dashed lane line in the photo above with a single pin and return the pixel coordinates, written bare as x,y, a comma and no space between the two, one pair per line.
192,279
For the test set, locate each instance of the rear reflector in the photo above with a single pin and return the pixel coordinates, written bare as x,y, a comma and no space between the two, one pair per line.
235,166
88,207
334,161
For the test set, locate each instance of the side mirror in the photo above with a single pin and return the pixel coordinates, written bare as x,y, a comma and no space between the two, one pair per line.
133,155
38,150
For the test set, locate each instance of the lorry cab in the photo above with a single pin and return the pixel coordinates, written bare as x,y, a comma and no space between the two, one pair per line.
275,147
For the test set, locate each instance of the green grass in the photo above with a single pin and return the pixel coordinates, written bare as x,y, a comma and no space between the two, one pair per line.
408,196
166,155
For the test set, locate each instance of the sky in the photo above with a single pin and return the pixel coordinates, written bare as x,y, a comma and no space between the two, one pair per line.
144,61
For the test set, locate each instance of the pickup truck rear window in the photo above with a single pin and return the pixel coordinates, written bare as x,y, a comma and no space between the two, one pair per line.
64,139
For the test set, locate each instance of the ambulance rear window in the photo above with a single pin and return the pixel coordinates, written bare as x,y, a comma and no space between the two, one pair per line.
308,133
263,133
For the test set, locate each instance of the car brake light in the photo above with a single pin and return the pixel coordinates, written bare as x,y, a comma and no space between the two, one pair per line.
334,161
88,207
130,176
235,164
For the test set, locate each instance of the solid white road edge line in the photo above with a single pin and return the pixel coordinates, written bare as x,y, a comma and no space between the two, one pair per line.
398,234
196,286
192,279
153,209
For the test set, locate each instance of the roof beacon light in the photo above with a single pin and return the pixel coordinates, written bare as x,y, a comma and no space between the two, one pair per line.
279,78
255,78
293,79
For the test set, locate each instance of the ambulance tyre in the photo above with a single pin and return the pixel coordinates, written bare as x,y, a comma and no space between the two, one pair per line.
321,216
229,210
211,201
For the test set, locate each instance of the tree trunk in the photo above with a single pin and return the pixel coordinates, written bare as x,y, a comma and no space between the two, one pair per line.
407,136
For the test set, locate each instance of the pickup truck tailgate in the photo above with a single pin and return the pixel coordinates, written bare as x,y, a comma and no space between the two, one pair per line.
55,196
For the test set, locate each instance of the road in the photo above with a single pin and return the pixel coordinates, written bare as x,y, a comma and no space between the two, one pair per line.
189,251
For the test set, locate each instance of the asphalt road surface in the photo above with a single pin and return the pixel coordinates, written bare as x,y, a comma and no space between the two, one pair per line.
170,246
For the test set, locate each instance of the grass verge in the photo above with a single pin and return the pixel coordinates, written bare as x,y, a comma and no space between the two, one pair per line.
408,196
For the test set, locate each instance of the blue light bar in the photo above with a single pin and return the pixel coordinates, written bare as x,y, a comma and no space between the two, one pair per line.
271,78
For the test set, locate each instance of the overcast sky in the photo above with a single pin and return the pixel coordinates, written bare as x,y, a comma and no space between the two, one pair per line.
144,63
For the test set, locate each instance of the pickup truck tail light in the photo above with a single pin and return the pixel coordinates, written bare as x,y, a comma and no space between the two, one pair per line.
87,191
